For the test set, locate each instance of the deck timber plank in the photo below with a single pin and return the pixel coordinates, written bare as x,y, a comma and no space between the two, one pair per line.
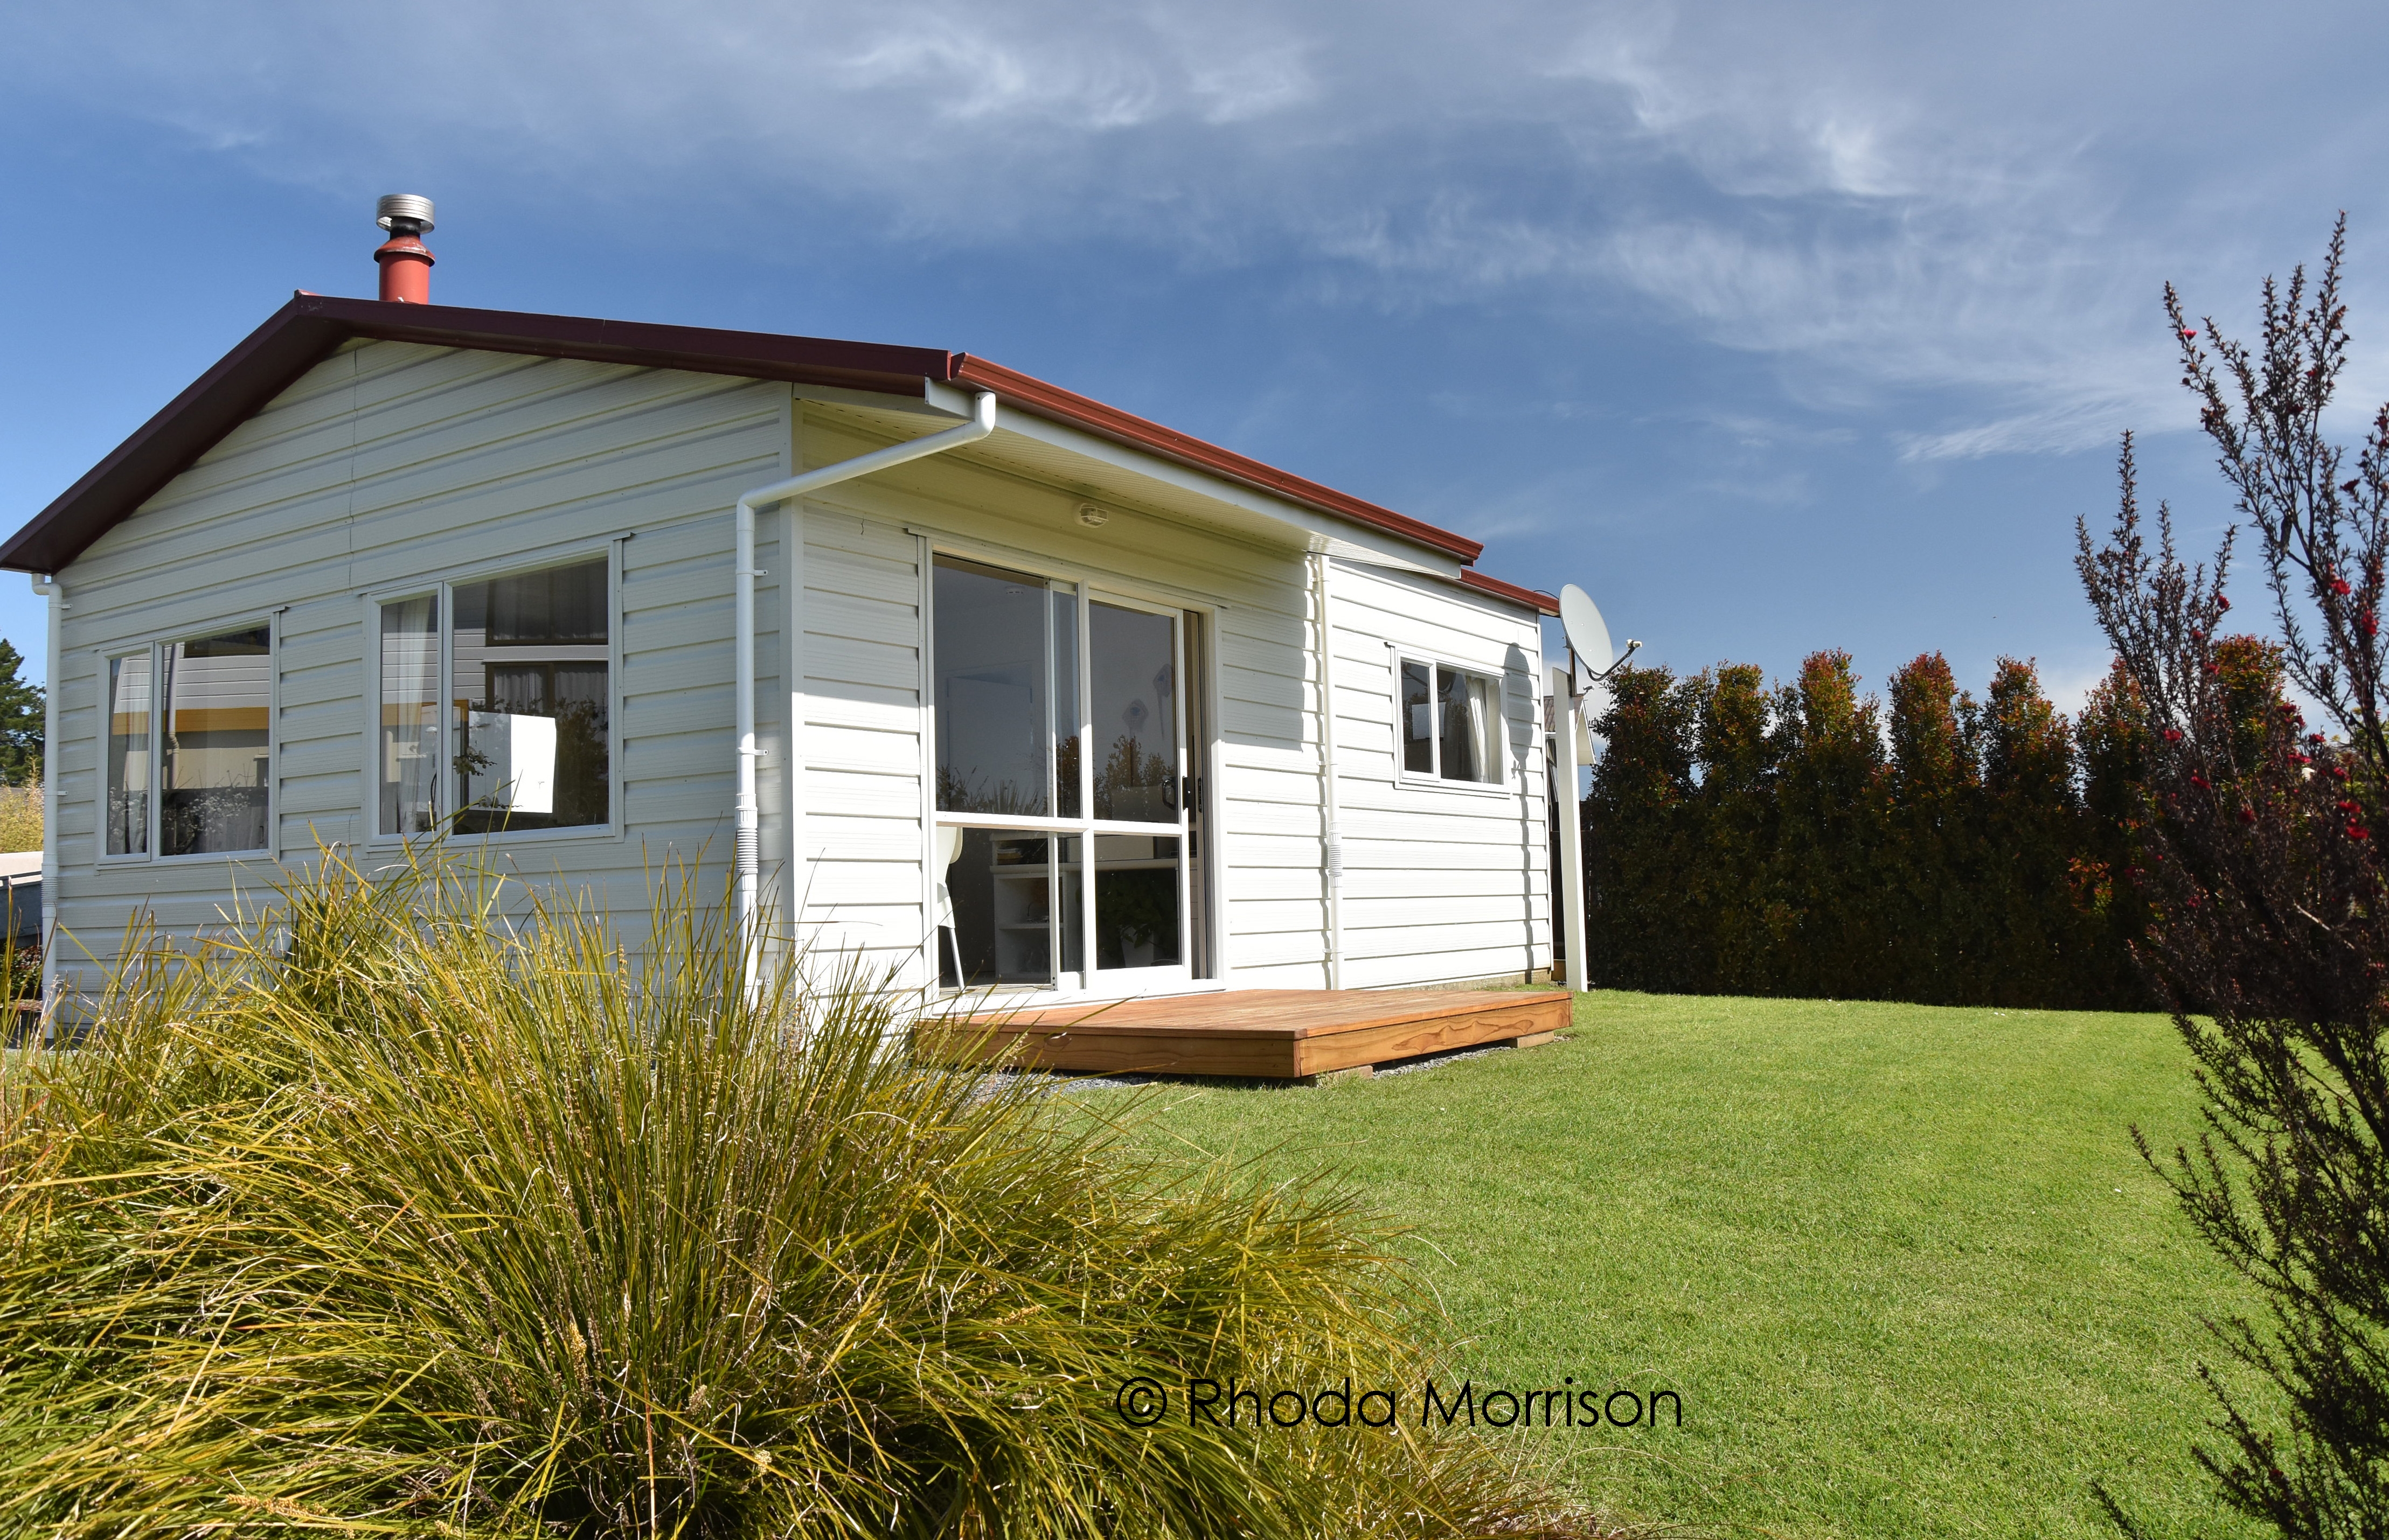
1264,1033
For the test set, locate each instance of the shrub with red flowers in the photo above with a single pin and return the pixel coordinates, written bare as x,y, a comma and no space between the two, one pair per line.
2249,841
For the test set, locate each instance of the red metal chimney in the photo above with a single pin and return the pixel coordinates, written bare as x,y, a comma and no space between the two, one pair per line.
406,261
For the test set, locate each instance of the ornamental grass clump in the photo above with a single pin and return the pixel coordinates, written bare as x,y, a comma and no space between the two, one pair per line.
423,1204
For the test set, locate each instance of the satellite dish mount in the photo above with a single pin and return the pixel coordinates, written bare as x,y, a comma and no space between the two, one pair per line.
1588,637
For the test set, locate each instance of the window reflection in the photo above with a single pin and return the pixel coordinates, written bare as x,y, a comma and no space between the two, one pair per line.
213,765
1133,665
997,897
1418,718
530,697
128,755
409,750
1136,901
1450,723
1466,703
1006,683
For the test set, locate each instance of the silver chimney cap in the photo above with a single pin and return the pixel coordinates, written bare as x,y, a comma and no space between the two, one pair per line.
405,206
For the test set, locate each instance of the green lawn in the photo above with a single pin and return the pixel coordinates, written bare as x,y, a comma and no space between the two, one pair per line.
1900,1263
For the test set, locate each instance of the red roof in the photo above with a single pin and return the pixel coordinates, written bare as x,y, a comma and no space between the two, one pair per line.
301,333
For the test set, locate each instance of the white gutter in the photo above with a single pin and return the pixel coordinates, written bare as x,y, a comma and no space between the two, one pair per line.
747,811
48,587
1331,807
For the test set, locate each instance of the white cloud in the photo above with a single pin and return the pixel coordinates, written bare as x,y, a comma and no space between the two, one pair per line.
1970,208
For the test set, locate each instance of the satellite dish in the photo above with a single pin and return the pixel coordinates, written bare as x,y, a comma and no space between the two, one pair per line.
1587,632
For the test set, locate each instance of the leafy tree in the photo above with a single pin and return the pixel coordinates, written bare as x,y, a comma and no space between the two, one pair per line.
1639,825
2031,831
1735,815
2255,846
1821,911
20,723
1931,856
2112,749
1799,841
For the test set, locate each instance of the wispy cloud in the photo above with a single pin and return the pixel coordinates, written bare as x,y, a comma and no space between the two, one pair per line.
1886,200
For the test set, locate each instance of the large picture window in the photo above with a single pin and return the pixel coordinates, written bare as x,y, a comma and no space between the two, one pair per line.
1450,724
520,737
206,705
1069,830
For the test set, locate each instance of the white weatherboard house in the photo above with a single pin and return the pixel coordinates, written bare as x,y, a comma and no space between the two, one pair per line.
1075,705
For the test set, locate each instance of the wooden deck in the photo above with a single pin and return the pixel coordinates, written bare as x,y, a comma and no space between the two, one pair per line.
1270,1033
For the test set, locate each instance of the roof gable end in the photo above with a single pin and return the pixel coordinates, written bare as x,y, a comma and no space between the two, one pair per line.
306,330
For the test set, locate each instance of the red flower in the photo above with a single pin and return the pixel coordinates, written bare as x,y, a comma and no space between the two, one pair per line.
2247,816
2357,832
2221,602
2172,735
2339,586
2190,334
2200,782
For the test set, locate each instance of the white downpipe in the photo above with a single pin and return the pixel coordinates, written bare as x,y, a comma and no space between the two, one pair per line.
1571,831
747,811
1331,805
48,587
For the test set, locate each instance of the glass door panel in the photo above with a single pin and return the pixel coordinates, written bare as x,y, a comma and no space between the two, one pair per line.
1138,923
1135,885
999,897
997,672
1133,675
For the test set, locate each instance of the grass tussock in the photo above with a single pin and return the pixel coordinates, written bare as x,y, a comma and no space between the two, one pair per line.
386,1216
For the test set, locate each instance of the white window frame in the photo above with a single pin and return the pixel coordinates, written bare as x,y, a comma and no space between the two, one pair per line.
1088,590
1496,730
443,590
155,651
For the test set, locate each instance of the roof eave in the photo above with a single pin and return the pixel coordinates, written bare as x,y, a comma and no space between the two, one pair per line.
1532,598
310,326
1031,394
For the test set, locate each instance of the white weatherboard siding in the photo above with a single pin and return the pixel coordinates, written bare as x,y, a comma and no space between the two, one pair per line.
392,466
861,745
389,464
1441,882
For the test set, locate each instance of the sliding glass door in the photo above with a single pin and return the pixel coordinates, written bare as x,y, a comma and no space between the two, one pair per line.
1064,835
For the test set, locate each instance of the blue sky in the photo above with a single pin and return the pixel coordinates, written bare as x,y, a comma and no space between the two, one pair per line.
1777,327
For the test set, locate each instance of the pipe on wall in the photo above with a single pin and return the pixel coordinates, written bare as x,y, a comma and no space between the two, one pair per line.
747,811
49,588
1330,805
1568,745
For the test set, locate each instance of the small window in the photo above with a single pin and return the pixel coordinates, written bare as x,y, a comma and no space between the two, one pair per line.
189,746
128,755
409,746
530,683
521,737
1450,723
212,763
